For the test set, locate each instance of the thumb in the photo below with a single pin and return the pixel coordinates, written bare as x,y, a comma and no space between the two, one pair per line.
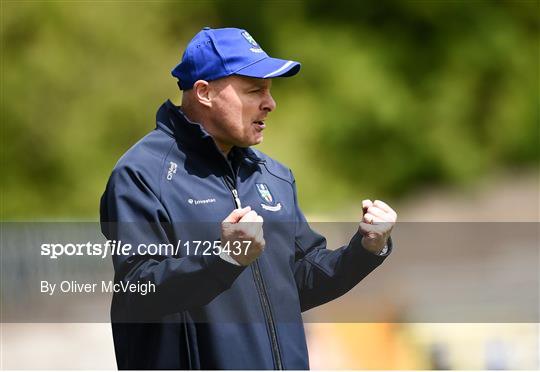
366,203
237,214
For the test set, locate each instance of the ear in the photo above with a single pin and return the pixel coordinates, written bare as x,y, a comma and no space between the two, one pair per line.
201,88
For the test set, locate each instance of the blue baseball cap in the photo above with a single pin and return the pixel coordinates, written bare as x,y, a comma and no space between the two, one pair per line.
216,53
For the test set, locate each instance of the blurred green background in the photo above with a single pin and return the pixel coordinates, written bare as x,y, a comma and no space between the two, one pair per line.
392,95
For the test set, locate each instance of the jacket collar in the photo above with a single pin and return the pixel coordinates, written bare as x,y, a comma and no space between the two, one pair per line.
173,121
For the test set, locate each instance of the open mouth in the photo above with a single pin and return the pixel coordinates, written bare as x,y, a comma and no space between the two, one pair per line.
260,124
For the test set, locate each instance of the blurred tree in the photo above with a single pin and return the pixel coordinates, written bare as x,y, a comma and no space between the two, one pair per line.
392,94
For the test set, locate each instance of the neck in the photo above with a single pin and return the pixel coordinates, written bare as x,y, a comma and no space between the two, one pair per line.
225,149
197,117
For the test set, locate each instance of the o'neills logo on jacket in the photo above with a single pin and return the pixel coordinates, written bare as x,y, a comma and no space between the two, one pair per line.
172,170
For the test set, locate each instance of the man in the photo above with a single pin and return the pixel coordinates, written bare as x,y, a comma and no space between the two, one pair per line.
237,303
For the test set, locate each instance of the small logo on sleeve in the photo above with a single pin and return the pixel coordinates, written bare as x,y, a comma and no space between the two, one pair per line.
172,170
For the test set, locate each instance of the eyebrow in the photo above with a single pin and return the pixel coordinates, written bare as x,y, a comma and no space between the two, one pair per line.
259,84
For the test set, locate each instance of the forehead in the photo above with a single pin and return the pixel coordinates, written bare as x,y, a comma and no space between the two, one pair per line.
248,82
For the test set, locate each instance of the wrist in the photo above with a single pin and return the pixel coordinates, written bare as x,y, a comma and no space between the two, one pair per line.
375,248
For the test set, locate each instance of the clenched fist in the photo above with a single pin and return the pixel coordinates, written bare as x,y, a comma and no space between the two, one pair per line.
240,226
376,225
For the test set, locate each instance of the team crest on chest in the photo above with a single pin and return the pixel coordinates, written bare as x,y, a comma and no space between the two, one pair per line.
264,193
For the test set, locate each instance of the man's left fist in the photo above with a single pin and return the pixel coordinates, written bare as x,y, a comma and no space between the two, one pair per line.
376,225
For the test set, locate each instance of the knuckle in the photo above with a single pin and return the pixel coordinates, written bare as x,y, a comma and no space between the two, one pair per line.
374,209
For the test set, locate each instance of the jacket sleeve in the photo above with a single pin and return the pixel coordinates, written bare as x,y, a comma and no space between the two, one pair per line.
321,274
132,213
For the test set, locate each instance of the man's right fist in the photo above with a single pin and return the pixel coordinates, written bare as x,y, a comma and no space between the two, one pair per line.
239,226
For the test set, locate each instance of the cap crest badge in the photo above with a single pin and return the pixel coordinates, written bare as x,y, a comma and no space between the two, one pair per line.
249,38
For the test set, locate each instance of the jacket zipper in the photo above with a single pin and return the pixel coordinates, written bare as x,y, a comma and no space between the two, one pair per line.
259,283
261,290
236,198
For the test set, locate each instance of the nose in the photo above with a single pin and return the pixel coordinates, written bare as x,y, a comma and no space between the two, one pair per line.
268,104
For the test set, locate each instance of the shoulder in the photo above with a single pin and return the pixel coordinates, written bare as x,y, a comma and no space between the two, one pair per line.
275,168
143,162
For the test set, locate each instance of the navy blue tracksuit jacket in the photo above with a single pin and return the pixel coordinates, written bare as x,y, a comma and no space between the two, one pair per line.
206,313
